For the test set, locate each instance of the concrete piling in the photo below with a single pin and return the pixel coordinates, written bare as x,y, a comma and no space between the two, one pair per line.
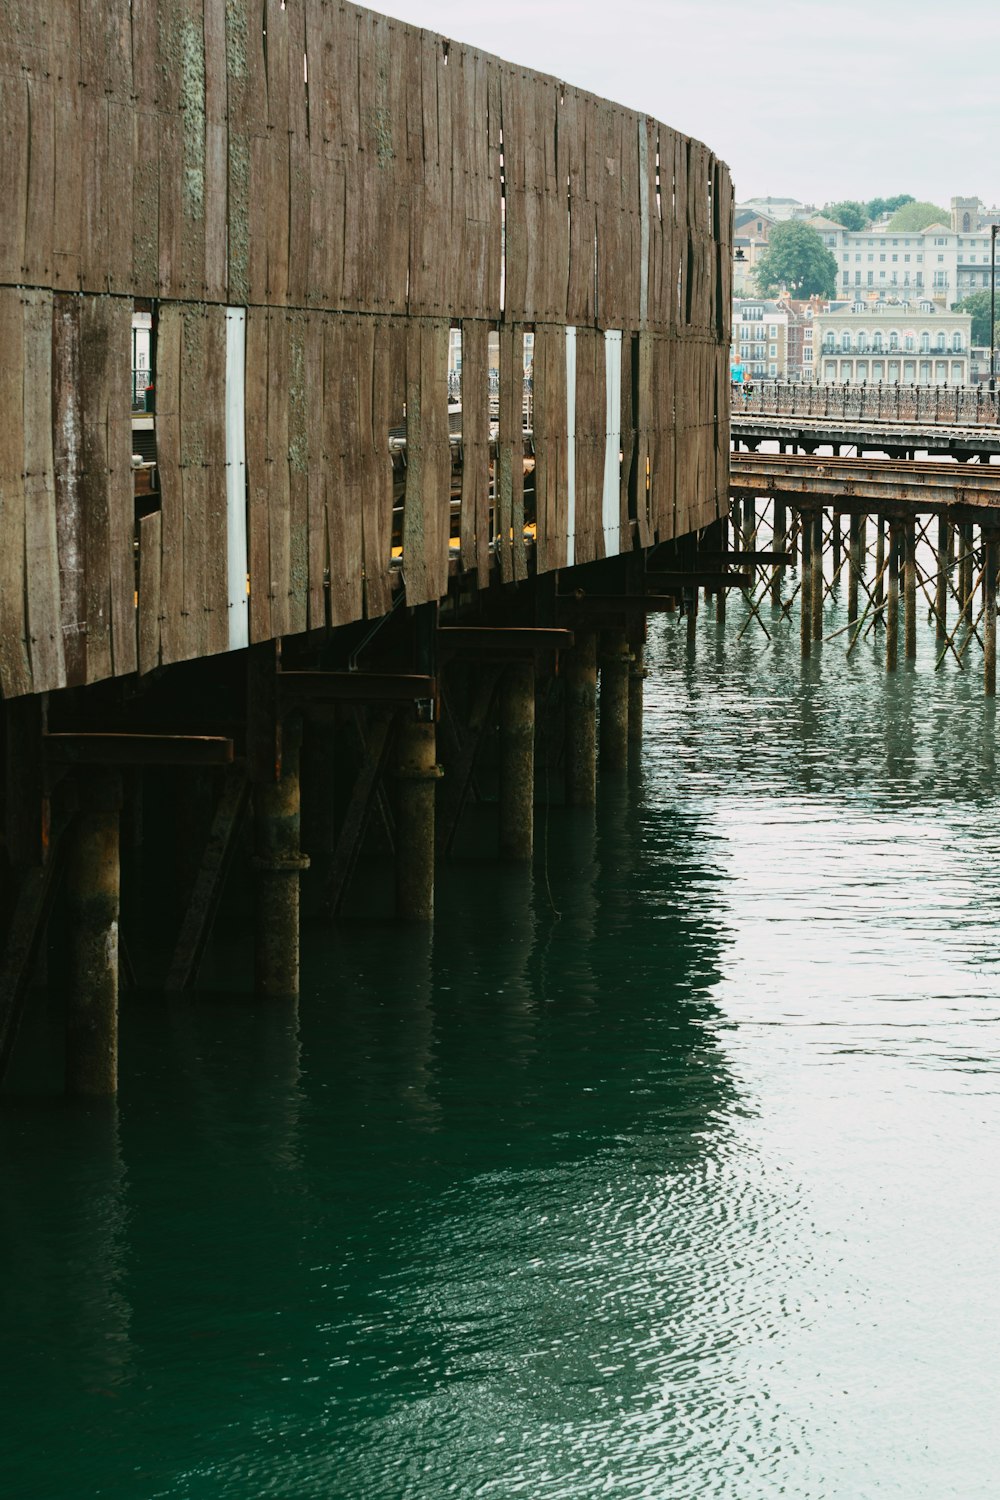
517,761
93,898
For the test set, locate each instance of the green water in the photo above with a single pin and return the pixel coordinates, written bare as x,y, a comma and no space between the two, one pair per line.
669,1172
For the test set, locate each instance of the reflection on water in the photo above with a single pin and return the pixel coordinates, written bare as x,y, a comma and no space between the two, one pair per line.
664,1170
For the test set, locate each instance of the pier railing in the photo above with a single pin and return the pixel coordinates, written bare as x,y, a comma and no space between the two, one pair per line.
944,405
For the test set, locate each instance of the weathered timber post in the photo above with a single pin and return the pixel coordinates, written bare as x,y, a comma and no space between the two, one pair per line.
910,587
837,542
278,863
965,573
517,761
805,586
817,574
93,896
720,606
636,679
780,529
879,562
892,620
989,535
581,721
853,564
417,774
863,535
615,662
941,582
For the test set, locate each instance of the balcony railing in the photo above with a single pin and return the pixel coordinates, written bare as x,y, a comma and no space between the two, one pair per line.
943,405
141,381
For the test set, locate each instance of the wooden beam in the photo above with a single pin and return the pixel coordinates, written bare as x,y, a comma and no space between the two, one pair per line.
699,579
510,640
137,749
758,559
354,687
196,927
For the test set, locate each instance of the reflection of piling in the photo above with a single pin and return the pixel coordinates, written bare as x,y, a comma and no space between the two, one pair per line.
93,891
581,721
615,662
517,760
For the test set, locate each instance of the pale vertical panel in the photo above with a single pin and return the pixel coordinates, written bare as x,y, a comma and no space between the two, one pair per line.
611,498
237,600
570,446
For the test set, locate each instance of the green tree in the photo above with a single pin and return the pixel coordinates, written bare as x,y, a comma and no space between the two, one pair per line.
978,304
876,207
913,217
850,213
797,260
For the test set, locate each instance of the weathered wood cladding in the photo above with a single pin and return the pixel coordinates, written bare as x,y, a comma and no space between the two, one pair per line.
360,187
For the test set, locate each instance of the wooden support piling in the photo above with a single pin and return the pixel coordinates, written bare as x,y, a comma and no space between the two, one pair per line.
910,587
805,588
93,899
517,761
817,575
780,542
616,660
853,565
941,581
990,611
892,613
417,775
636,679
581,721
879,562
278,863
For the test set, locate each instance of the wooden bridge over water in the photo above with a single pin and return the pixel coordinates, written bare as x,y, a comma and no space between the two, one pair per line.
328,215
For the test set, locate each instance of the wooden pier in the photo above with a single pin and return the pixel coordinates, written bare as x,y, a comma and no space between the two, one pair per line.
308,631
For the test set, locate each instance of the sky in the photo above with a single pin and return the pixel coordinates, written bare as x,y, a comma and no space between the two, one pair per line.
804,99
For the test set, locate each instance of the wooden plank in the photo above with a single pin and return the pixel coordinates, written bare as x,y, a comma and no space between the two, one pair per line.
170,161
67,201
67,434
258,531
370,499
475,533
194,486
121,486
97,380
318,559
44,621
216,555
427,504
508,450
277,493
149,591
299,159
215,156
15,670
550,443
388,359
40,181
276,181
300,396
344,528
246,107
173,635
14,144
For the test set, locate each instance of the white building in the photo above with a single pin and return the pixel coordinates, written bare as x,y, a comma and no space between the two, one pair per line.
942,263
892,343
760,338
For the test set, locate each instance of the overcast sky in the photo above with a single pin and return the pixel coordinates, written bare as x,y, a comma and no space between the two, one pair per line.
803,98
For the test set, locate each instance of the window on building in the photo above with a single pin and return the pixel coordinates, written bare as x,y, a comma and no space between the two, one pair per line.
857,278
877,340
807,354
845,343
908,341
925,343
940,340
772,351
772,330
871,277
895,257
893,340
845,280
956,342
881,257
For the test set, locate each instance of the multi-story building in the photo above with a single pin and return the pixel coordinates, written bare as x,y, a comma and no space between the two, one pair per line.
942,263
751,231
799,351
760,338
891,342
